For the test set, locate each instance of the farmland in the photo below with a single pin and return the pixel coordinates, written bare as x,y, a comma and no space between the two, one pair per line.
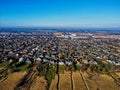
101,82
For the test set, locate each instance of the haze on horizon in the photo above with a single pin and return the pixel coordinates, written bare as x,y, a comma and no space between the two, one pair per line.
63,13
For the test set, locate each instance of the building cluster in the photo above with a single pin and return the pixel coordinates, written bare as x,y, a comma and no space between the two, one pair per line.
63,48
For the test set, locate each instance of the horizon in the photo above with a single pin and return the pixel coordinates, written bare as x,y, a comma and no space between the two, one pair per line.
77,29
69,13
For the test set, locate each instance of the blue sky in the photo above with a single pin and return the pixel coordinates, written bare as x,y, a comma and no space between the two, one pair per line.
73,13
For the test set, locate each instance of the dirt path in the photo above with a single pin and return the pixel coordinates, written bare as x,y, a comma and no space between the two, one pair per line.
11,81
54,83
72,81
116,78
84,80
78,82
92,84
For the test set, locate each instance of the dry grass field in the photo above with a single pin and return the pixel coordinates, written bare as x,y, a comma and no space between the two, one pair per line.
54,83
78,82
39,84
11,81
101,82
65,81
118,74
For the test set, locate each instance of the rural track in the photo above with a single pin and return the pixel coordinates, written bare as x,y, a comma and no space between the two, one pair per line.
57,86
72,81
85,83
58,75
113,76
4,69
3,79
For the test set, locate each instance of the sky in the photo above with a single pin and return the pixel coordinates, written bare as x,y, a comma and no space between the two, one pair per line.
63,13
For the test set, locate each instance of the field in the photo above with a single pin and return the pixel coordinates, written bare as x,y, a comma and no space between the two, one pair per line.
100,82
74,80
54,83
39,84
11,81
65,81
78,82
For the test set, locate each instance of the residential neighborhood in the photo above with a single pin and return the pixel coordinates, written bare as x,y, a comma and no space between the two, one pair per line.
51,53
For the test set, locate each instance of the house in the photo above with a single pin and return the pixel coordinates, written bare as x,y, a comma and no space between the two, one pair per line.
114,62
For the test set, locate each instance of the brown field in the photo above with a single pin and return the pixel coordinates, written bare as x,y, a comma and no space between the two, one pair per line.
54,83
78,82
39,84
118,74
11,81
65,81
102,82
